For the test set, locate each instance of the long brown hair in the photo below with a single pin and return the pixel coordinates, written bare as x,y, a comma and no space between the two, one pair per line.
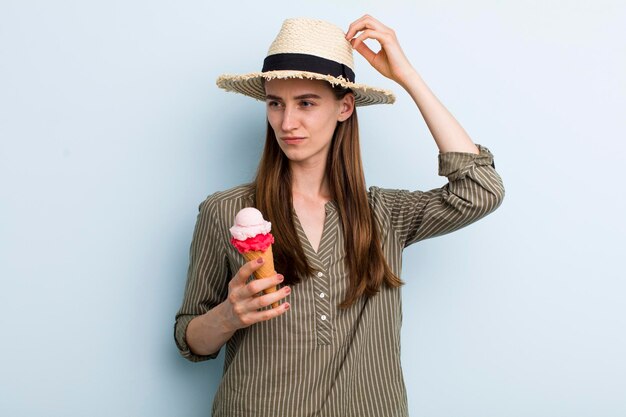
366,264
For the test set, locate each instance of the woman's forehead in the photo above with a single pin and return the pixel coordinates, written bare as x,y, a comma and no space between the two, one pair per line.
296,86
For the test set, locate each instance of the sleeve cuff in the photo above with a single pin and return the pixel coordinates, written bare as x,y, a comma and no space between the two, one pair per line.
180,329
456,165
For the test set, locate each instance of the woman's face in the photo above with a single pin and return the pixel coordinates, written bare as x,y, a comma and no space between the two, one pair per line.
303,114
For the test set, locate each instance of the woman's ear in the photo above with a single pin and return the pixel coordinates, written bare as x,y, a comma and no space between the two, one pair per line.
346,107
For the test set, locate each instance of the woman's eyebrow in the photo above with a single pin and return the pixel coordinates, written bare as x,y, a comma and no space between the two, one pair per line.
300,97
305,96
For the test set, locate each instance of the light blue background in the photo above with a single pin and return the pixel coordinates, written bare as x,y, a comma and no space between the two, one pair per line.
112,131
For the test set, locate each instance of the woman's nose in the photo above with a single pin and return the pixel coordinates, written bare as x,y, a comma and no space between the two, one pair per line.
290,120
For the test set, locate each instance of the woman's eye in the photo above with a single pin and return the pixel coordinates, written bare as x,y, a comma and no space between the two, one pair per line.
273,104
306,104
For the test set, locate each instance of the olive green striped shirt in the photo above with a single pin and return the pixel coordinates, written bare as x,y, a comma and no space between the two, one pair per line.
317,359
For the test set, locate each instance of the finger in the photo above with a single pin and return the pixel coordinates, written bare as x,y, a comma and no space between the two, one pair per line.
383,37
364,50
268,314
271,298
357,26
238,282
360,24
363,23
247,269
354,28
258,285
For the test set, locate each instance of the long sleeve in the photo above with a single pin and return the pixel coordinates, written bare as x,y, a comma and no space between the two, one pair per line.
207,277
474,190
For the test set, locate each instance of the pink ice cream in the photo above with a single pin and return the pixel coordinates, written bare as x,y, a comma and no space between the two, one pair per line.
251,232
252,238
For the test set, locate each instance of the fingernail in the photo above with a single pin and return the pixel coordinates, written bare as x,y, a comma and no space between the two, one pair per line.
286,306
259,261
280,278
287,290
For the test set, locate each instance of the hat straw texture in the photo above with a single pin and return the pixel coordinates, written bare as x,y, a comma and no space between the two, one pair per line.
307,49
313,37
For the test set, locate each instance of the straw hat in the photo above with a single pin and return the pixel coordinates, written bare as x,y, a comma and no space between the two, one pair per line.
307,48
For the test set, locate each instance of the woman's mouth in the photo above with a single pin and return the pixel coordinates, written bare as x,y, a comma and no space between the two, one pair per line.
292,140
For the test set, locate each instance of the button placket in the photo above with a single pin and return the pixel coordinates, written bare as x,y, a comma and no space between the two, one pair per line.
323,319
319,260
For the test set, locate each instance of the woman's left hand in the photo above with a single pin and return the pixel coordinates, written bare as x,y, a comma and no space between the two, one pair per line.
390,61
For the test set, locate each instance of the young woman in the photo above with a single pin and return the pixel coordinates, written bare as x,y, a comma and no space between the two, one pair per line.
332,347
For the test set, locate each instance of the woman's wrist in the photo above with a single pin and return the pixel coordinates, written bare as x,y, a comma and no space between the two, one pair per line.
219,319
207,333
408,78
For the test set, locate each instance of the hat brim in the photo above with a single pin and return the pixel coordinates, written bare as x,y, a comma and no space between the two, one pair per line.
251,85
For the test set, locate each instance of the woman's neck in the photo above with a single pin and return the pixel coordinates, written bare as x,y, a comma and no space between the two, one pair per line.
310,181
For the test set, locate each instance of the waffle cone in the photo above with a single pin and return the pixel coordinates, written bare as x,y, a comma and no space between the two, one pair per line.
266,270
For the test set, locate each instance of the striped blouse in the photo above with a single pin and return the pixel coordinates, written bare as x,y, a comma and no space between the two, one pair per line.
317,359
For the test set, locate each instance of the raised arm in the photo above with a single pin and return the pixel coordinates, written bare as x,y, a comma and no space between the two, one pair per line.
391,62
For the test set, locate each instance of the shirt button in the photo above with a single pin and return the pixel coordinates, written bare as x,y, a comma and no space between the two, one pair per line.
319,275
322,295
323,317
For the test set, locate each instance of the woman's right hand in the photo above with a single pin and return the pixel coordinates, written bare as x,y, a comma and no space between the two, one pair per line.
208,332
245,299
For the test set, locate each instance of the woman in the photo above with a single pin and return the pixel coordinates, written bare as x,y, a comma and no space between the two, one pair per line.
332,347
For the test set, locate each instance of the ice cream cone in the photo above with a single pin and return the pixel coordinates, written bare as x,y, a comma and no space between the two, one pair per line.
266,270
252,238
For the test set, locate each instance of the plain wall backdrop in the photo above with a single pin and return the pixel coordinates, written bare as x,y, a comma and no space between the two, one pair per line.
112,131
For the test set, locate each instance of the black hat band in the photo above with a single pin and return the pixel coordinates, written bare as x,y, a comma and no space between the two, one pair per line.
309,63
